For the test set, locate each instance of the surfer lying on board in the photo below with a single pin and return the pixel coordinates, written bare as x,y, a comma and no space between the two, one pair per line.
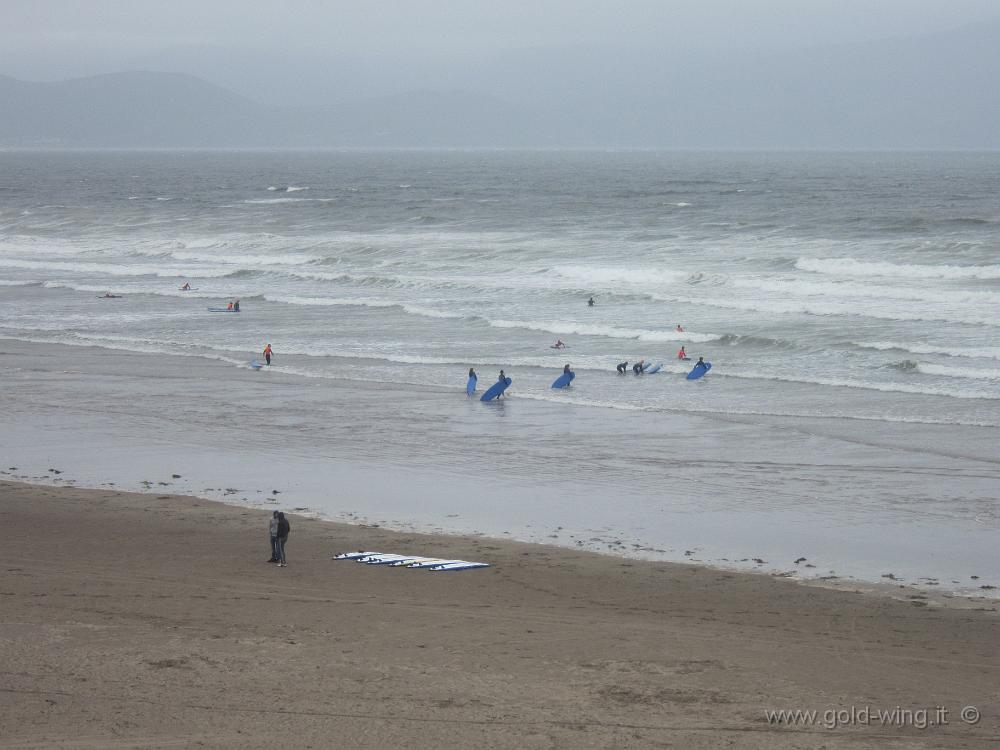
109,295
622,367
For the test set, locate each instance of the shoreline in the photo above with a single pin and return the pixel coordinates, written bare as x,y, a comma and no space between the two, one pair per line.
142,620
88,413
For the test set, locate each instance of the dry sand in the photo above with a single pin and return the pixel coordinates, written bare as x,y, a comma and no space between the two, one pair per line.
154,621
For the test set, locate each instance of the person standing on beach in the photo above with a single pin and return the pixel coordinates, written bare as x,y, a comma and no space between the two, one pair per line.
267,354
273,532
283,528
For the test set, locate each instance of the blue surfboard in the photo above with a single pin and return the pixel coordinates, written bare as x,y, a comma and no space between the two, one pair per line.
654,368
699,370
256,365
496,389
470,387
564,380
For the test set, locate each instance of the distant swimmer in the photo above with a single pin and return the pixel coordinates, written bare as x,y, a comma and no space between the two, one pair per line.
590,302
639,366
267,354
622,367
681,354
558,345
679,328
186,287
109,295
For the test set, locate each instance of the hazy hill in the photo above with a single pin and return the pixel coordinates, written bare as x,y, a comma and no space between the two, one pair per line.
938,91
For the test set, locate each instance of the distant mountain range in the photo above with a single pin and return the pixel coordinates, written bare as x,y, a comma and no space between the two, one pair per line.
145,109
935,92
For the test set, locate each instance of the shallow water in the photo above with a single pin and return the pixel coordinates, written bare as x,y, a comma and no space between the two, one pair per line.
848,303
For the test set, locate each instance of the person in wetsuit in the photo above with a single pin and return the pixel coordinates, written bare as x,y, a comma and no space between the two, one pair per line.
622,367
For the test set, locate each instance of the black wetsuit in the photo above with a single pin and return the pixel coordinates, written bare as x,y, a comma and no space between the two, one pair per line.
622,367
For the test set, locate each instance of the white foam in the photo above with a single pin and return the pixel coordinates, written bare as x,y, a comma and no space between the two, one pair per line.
109,269
985,352
853,267
599,277
588,329
929,368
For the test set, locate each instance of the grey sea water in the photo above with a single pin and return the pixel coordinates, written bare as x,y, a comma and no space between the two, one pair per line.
855,293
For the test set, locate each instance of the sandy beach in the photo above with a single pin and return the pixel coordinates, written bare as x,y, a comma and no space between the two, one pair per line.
154,621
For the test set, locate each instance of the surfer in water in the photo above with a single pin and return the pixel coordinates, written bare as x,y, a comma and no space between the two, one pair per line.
566,368
639,366
559,344
590,302
229,306
700,362
186,287
622,367
681,354
236,306
679,328
267,354
109,295
472,373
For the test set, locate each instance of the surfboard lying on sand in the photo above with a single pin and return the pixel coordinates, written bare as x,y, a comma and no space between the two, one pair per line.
409,561
470,387
564,380
699,369
496,389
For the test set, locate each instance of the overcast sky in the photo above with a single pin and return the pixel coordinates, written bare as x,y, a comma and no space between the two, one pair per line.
52,38
686,73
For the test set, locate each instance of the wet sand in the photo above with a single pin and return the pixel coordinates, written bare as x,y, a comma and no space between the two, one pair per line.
153,621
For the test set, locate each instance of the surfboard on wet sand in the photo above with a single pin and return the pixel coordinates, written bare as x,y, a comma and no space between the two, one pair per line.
496,389
564,380
699,369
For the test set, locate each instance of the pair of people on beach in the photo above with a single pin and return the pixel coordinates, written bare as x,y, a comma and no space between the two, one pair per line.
278,528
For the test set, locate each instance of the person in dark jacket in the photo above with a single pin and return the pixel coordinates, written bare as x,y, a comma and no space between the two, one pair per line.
272,528
283,528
